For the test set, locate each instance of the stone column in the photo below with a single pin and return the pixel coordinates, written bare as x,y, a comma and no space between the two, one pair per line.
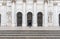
55,15
3,16
3,13
35,15
46,14
13,14
24,15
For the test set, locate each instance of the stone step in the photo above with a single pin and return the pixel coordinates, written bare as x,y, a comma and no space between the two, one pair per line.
29,32
29,37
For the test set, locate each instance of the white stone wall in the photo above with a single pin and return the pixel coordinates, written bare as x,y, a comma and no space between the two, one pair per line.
9,11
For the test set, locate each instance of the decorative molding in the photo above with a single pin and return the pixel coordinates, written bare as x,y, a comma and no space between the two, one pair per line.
9,16
50,17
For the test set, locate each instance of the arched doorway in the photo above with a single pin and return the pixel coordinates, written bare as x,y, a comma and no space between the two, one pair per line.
19,19
59,19
29,19
39,19
0,19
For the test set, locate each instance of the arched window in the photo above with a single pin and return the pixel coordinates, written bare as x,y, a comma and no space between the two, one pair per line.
29,19
59,19
39,18
19,19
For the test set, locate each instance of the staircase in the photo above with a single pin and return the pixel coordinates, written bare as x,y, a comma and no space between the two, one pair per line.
30,34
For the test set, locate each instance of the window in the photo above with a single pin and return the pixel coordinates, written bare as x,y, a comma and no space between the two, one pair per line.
19,19
29,19
39,18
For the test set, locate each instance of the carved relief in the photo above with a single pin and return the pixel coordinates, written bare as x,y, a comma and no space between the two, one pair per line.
9,17
50,17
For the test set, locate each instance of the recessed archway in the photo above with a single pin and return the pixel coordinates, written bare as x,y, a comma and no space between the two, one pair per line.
29,19
19,19
59,19
0,19
39,18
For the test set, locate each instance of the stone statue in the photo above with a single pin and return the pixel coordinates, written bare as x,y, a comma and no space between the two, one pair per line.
50,17
9,17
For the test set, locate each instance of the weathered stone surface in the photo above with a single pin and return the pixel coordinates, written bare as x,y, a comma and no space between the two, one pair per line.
29,37
50,17
29,32
17,33
9,22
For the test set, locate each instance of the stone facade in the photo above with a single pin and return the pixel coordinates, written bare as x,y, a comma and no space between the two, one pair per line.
49,8
43,19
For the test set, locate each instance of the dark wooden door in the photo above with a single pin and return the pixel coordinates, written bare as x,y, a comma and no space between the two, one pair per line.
39,19
59,19
19,19
0,19
29,19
